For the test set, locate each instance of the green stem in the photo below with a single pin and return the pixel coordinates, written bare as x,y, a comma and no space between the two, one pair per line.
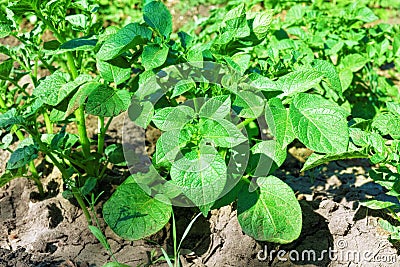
80,121
244,123
101,135
82,204
35,178
2,103
49,125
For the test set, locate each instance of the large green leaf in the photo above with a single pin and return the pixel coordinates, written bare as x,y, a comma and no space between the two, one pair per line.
157,16
170,118
319,124
128,37
330,73
141,112
317,159
10,118
298,81
79,98
248,104
261,23
377,204
169,145
22,156
55,88
271,213
271,149
132,214
106,102
394,108
354,62
221,132
216,108
278,120
116,70
154,56
201,175
5,69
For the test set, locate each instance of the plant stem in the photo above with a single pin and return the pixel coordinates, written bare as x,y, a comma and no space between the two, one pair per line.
82,204
49,125
80,121
244,123
101,135
2,103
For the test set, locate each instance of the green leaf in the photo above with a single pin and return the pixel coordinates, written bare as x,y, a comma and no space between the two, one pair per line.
221,132
141,112
261,23
100,236
115,154
154,56
88,186
271,149
242,60
330,73
271,213
79,98
169,145
298,81
393,230
263,83
78,21
365,14
55,89
393,107
346,78
10,118
133,215
216,108
182,87
5,68
6,26
278,120
22,156
157,16
170,118
234,25
377,204
201,176
6,141
248,104
106,102
7,177
354,62
319,124
126,38
316,159
78,44
116,70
